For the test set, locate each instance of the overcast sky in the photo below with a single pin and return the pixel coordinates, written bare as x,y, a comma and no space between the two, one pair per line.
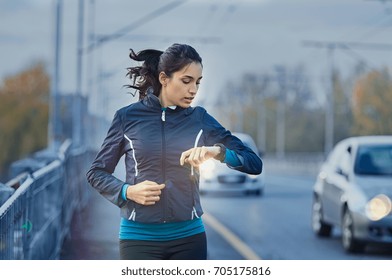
242,36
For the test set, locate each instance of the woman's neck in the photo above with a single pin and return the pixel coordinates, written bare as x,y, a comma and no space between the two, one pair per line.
163,102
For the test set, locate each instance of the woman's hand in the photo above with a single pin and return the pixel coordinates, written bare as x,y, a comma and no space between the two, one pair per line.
145,193
198,155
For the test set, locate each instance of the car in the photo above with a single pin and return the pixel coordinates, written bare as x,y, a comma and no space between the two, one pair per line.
217,177
353,192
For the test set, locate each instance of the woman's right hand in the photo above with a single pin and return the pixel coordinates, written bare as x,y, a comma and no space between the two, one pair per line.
145,193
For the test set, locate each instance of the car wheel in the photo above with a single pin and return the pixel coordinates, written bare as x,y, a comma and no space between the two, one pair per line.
259,192
254,192
319,226
350,244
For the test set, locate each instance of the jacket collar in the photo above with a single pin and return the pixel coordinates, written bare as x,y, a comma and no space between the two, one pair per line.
153,102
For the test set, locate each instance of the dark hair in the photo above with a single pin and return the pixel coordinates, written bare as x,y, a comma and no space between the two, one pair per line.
171,60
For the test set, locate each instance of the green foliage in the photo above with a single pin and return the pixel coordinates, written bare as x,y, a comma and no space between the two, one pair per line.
24,112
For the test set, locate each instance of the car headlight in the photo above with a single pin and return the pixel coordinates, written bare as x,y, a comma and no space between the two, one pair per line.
378,207
207,169
253,177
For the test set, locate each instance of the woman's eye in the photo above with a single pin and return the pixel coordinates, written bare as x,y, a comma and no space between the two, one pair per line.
186,81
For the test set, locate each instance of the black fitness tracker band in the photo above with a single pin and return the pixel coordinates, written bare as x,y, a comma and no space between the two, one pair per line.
222,155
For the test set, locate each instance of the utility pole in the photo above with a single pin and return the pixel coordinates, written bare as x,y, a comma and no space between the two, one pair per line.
77,114
261,120
55,129
330,100
261,115
330,112
281,113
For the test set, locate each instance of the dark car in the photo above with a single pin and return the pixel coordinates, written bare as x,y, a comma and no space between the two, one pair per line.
353,191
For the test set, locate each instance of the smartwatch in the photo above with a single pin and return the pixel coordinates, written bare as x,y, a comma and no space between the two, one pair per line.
222,155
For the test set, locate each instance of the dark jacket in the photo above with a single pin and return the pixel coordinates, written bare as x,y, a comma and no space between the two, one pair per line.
152,141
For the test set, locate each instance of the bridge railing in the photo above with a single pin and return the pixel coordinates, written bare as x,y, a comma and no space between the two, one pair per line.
37,217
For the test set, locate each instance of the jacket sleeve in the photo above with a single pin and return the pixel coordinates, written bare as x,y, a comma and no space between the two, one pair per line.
216,133
100,173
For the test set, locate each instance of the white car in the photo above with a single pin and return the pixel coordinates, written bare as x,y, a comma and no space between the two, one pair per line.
218,177
354,191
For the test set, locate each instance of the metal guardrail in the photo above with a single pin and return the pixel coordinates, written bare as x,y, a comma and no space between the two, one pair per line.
35,220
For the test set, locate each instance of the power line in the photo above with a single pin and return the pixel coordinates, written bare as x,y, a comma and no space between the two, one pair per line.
345,45
166,38
137,23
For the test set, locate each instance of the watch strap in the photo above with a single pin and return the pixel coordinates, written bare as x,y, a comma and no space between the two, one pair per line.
222,155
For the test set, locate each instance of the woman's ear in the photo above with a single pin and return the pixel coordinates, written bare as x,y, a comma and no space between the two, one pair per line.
163,78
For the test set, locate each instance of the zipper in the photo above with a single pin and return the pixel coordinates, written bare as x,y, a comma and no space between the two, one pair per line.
164,192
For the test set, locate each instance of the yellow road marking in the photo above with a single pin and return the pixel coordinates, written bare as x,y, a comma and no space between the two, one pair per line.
231,238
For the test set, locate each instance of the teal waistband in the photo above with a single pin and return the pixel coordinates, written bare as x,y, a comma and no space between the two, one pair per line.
130,230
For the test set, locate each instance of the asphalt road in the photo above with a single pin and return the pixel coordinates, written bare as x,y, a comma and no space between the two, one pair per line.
274,226
278,224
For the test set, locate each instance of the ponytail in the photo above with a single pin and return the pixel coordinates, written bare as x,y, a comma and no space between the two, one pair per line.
145,76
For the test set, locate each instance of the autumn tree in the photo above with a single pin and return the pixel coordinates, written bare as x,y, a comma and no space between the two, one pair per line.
372,104
24,113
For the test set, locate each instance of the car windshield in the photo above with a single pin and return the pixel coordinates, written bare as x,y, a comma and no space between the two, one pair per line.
374,160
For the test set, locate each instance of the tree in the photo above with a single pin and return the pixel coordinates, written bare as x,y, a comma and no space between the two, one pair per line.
372,99
254,94
24,112
342,107
303,115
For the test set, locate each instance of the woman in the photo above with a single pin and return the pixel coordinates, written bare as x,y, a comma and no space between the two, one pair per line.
164,140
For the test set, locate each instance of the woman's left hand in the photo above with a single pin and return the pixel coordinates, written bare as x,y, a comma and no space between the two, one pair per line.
198,155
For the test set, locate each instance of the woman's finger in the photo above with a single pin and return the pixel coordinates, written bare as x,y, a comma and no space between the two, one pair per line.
184,155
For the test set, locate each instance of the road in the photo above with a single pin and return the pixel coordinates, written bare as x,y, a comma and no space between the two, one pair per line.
274,226
277,225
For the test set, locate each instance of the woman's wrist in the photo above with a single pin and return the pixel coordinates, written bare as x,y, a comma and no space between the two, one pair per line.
124,191
222,153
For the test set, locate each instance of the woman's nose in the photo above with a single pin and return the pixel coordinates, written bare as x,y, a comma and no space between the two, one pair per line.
193,89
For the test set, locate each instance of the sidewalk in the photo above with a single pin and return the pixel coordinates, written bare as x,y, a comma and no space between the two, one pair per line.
94,232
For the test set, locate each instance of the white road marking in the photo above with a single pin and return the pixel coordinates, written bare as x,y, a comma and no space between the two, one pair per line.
231,238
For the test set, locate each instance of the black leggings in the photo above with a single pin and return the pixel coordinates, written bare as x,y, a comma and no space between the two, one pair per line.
189,248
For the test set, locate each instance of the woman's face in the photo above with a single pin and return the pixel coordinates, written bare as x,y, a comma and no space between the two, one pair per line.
180,89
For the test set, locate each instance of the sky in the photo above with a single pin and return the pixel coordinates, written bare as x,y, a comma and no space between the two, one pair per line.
232,36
